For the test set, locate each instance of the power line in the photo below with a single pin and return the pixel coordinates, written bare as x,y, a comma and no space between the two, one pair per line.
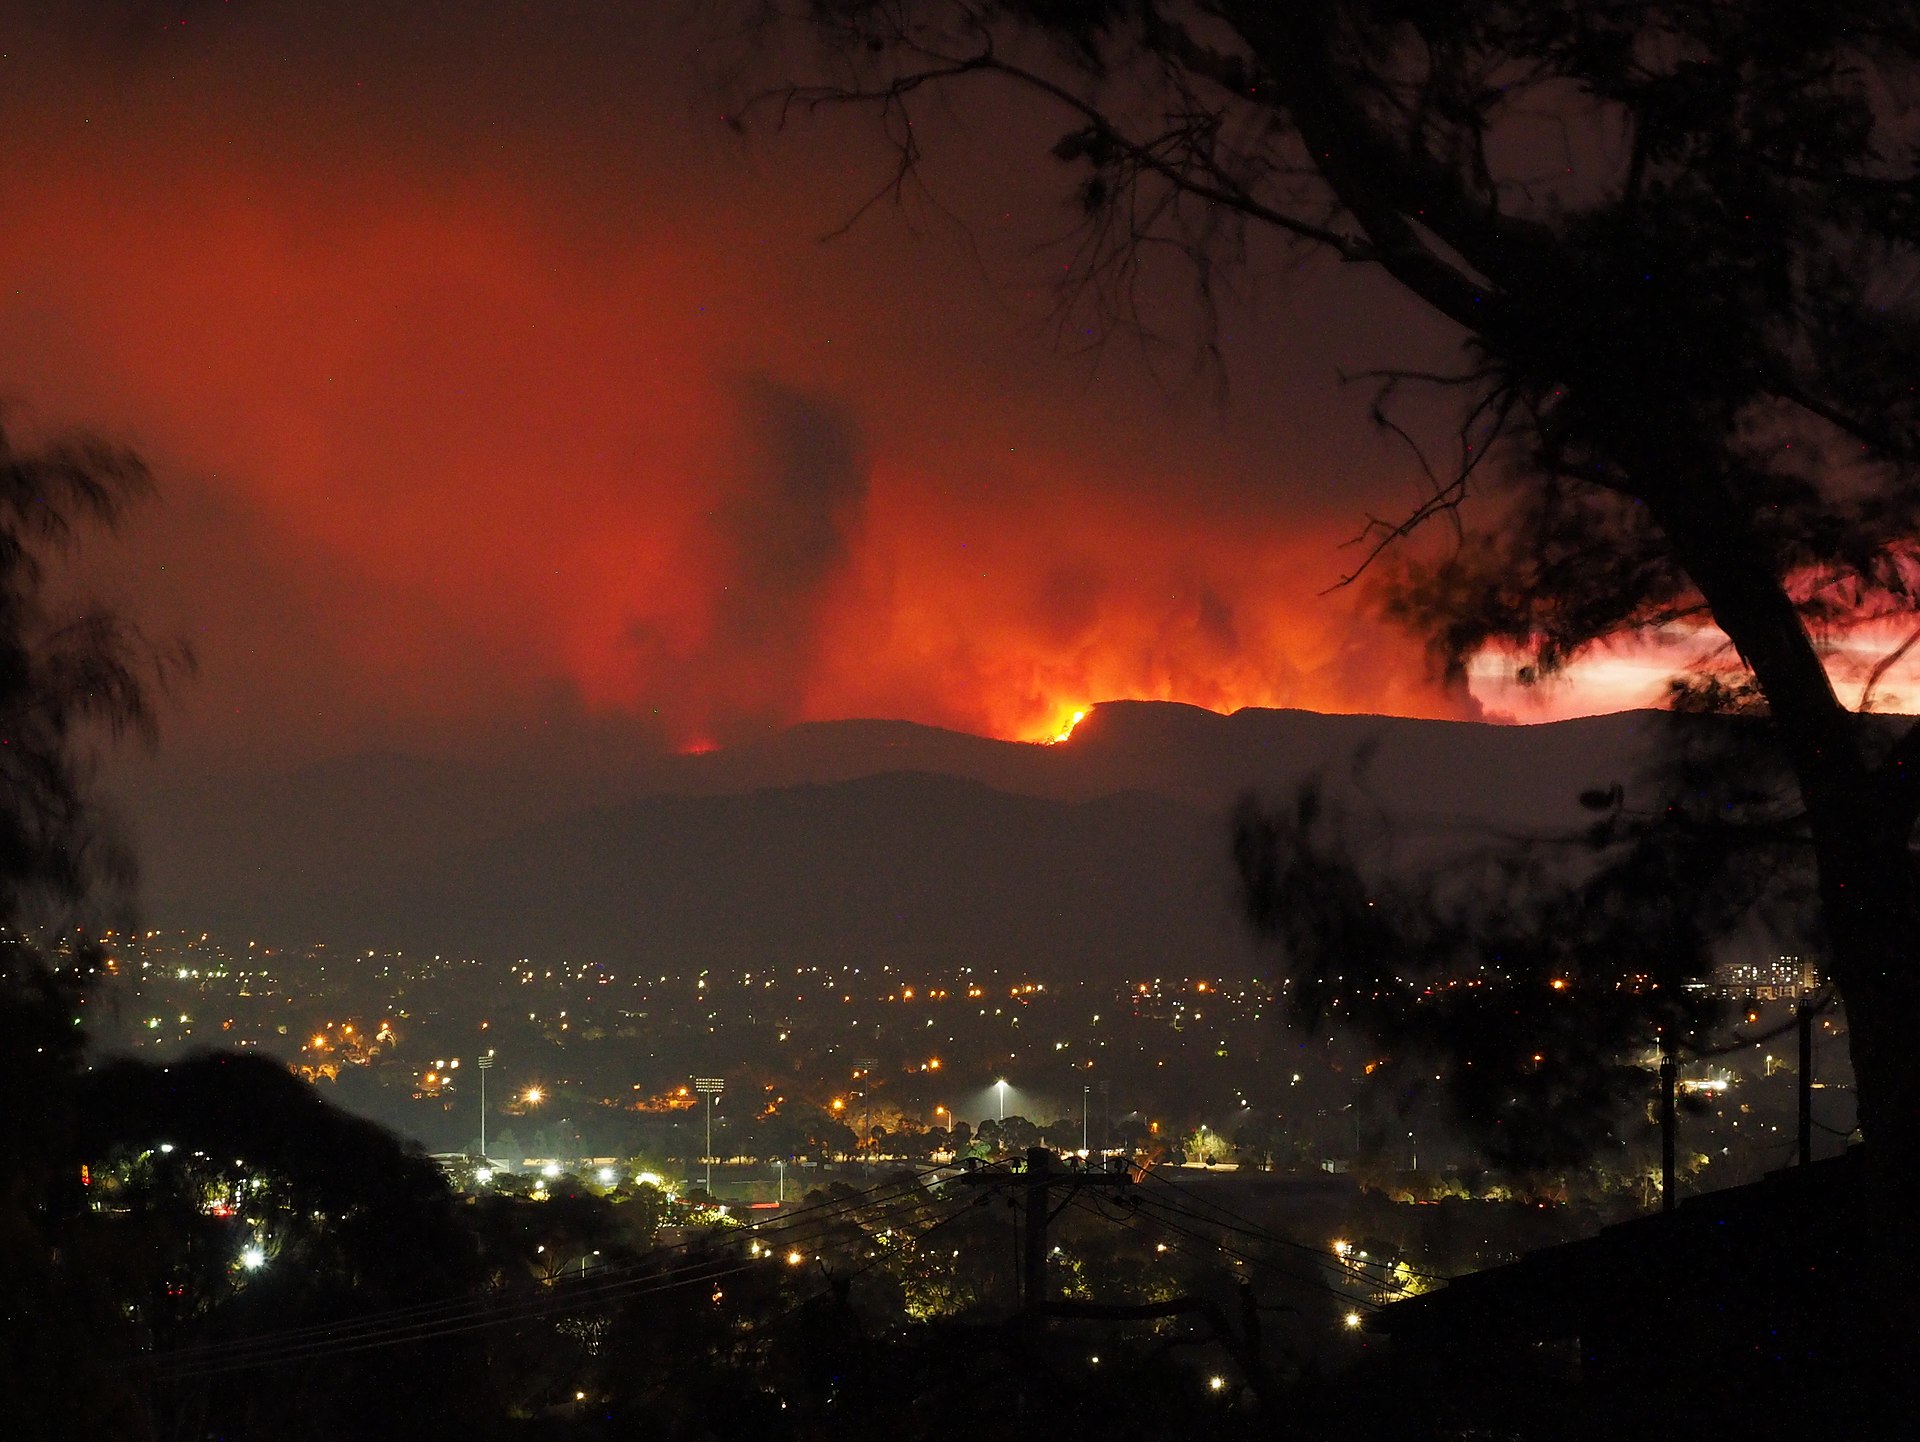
610,1275
1249,1228
1136,1223
451,1316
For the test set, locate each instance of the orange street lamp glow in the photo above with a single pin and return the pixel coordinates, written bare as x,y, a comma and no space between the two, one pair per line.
533,1096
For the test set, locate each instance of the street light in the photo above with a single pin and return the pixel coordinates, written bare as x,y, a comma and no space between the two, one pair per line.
1001,1087
485,1063
709,1087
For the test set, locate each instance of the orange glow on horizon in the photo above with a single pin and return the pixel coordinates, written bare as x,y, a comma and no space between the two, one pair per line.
506,453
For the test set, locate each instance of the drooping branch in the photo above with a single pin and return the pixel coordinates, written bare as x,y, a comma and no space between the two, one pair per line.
1102,133
1880,668
1901,448
1445,495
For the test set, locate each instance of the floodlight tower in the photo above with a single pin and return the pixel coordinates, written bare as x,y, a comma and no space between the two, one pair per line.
485,1063
709,1087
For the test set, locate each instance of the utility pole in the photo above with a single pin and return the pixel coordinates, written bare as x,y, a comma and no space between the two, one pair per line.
1669,1077
485,1063
1033,1276
709,1087
1804,1086
1038,1181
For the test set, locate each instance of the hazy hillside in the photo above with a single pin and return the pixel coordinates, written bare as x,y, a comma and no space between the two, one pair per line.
832,840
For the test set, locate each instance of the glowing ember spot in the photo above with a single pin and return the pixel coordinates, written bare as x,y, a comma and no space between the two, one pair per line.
1066,730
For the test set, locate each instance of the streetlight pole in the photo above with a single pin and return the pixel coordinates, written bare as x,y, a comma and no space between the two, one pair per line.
781,1167
709,1087
1086,1096
864,1075
485,1063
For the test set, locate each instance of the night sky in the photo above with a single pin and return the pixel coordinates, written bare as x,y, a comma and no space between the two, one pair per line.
508,399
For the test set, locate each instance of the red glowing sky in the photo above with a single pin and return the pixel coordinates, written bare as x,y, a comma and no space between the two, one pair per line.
502,396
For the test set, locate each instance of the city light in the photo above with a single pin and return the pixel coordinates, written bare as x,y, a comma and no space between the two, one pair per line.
1352,1321
253,1259
1216,1383
483,1175
533,1096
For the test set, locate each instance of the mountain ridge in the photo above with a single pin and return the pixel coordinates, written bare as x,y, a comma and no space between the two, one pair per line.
1114,843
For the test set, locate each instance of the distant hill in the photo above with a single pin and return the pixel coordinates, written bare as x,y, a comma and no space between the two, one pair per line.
834,840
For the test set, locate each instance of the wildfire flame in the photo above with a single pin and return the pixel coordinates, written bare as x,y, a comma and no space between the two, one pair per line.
1066,729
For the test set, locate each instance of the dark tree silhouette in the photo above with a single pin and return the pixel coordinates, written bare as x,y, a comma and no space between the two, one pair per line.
66,675
1688,380
347,1221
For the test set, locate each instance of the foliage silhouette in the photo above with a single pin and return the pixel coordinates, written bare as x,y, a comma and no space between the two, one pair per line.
1687,394
67,672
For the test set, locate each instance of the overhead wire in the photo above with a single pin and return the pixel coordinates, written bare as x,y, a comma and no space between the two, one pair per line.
270,1349
610,1275
420,1332
913,1244
1246,1226
426,1321
1135,1221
